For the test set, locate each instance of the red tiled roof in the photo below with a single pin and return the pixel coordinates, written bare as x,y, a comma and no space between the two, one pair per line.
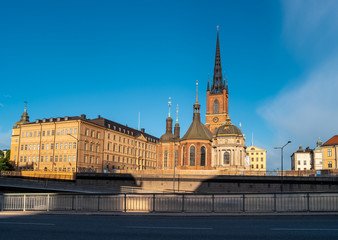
332,141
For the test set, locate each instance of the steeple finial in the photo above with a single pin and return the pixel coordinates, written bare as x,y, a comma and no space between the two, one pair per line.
25,105
169,104
197,91
177,113
217,28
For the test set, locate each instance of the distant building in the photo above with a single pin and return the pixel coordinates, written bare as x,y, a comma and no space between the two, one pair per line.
330,153
78,144
318,156
257,158
302,159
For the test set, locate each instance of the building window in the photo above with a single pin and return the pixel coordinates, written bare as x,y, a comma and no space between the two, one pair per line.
262,166
216,106
304,162
329,164
192,155
329,152
165,158
56,158
226,158
74,145
298,162
203,156
60,158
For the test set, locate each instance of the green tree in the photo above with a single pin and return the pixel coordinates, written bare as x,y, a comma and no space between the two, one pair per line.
5,165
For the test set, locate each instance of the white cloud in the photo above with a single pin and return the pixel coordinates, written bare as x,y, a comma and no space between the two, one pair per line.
304,111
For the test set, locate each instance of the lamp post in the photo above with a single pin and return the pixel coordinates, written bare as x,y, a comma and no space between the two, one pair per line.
281,148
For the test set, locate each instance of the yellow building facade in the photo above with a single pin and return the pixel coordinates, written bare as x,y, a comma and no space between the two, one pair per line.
78,144
330,153
257,158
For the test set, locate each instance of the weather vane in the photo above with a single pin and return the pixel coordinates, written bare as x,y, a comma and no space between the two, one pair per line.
25,103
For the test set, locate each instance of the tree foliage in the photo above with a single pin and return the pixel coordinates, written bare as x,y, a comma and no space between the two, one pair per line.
5,165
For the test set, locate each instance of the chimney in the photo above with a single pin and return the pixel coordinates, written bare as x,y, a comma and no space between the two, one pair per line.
142,130
83,116
99,116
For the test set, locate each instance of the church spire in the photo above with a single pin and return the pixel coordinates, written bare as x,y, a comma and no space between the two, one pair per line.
24,117
208,89
217,85
177,126
197,105
169,105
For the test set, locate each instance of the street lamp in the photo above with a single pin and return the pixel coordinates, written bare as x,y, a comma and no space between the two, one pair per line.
281,148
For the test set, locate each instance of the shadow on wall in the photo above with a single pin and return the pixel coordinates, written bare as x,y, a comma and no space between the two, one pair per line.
266,184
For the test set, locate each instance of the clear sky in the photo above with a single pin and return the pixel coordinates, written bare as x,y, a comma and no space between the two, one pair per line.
119,58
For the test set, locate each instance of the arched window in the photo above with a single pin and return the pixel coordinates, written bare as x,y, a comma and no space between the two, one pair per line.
216,106
226,158
192,155
165,159
203,156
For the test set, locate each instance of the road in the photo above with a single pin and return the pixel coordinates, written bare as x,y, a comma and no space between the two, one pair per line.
153,227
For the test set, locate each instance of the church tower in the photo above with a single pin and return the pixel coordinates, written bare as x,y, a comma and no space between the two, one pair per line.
217,96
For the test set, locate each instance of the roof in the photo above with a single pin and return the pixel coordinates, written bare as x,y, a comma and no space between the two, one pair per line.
254,148
332,141
228,129
197,131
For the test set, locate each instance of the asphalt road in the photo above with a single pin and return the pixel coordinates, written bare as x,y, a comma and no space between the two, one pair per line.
152,227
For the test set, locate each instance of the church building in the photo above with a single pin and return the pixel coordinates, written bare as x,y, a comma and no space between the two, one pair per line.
217,145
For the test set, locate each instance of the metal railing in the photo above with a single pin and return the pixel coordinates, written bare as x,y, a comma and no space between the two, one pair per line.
189,203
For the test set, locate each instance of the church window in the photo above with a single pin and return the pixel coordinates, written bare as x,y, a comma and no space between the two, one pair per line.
226,158
165,158
216,106
192,155
203,156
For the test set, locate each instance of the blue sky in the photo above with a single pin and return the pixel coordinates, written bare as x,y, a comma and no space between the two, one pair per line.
118,58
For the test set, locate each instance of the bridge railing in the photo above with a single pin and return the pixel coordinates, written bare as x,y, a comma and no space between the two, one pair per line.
190,203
